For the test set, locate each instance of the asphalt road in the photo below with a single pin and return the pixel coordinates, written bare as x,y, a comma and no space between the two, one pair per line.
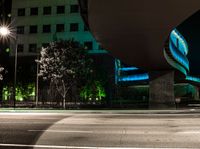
98,131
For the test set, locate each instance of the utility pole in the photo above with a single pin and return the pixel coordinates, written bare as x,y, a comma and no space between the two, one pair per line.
37,83
15,73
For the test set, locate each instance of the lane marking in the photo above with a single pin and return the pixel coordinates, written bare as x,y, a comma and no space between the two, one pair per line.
147,114
30,118
113,132
33,114
61,131
26,123
75,147
99,132
189,132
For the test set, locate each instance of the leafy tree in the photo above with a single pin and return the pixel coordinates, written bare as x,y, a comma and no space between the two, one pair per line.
93,91
63,63
23,92
1,70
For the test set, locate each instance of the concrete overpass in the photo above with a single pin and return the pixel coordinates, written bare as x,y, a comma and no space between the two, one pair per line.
138,33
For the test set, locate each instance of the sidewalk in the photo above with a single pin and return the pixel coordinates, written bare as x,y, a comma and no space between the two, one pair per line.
184,111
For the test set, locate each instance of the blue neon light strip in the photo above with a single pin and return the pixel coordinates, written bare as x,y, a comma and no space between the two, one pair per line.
175,64
116,70
128,69
179,56
138,77
179,48
182,44
194,79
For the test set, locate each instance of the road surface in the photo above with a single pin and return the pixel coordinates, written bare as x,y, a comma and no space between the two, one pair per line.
98,130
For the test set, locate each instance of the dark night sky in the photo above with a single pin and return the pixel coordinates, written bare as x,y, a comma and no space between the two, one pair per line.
190,29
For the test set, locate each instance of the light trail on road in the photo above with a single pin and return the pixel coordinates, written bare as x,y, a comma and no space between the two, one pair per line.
74,147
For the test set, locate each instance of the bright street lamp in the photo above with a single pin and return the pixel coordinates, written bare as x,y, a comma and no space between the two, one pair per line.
5,32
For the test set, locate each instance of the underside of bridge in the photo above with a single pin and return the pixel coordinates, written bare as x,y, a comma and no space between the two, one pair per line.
143,33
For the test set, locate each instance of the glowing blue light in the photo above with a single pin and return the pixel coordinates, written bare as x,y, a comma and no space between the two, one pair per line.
174,63
119,76
128,69
194,79
179,49
181,44
179,56
117,64
137,77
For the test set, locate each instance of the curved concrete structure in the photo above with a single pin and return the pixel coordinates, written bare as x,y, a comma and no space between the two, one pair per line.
143,33
136,31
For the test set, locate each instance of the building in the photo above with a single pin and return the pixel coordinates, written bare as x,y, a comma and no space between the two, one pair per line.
146,36
37,23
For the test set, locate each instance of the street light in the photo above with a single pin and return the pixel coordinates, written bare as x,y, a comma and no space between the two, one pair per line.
5,32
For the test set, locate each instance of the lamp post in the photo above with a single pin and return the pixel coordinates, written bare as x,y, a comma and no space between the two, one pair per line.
15,72
37,83
5,32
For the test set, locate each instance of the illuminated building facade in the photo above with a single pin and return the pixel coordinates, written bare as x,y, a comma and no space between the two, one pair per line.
39,22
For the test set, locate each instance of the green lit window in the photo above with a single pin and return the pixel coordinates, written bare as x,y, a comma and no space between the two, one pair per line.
74,27
34,11
20,48
33,29
100,47
74,9
46,28
44,45
60,9
60,28
88,45
33,48
86,28
20,29
21,12
47,10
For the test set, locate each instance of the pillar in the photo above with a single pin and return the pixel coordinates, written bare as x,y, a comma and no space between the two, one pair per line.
196,94
161,90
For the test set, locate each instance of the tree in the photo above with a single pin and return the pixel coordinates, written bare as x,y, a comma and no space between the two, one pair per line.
63,63
1,70
93,90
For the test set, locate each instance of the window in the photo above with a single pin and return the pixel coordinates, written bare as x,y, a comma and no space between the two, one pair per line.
33,29
47,10
21,12
88,45
60,9
20,29
100,47
44,45
86,28
74,27
20,48
74,9
46,28
60,28
34,11
33,48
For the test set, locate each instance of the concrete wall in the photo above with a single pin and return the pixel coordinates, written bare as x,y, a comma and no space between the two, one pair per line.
161,90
